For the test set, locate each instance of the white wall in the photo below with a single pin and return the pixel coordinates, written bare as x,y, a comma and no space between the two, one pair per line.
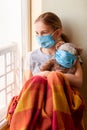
73,14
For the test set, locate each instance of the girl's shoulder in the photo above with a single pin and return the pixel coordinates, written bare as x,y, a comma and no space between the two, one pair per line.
32,53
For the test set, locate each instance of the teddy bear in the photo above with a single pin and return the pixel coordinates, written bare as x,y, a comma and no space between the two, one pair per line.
66,57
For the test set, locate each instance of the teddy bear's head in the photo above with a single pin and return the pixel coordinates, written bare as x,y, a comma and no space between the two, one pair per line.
65,59
67,54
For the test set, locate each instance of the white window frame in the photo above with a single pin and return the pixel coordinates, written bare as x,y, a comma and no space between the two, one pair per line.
10,67
26,38
10,47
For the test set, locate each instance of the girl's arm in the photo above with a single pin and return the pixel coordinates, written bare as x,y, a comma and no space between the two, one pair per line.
26,75
76,79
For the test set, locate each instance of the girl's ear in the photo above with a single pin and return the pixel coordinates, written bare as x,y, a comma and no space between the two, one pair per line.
59,32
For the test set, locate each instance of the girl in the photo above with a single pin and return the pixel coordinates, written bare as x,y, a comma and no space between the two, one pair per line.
48,29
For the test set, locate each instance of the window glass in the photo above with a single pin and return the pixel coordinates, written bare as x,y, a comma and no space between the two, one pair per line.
10,52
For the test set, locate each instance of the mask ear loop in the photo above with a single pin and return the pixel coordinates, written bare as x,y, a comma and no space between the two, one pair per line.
59,40
54,32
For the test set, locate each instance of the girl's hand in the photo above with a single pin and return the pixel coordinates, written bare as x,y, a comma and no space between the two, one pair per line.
43,73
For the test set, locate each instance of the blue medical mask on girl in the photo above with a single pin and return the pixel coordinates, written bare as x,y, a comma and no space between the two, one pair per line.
46,41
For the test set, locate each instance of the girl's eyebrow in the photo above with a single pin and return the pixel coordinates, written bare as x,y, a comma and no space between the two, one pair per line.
42,31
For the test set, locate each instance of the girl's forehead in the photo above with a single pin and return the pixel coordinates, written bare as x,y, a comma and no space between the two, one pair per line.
41,26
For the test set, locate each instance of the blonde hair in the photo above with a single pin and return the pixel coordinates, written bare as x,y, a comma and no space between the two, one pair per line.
50,19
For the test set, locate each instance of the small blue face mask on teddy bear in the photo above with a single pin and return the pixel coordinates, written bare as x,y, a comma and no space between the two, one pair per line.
65,58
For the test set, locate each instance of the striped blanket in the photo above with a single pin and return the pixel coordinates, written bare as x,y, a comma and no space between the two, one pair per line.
47,103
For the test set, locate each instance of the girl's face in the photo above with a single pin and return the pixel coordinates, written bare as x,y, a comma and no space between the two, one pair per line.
42,29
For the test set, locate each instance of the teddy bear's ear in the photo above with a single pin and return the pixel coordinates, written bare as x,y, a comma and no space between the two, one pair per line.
79,51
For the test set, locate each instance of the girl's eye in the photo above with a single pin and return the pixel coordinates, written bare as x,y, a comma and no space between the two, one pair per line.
44,33
36,33
41,33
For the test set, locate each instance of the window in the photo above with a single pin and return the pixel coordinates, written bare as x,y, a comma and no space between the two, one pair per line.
10,52
16,20
9,76
10,21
